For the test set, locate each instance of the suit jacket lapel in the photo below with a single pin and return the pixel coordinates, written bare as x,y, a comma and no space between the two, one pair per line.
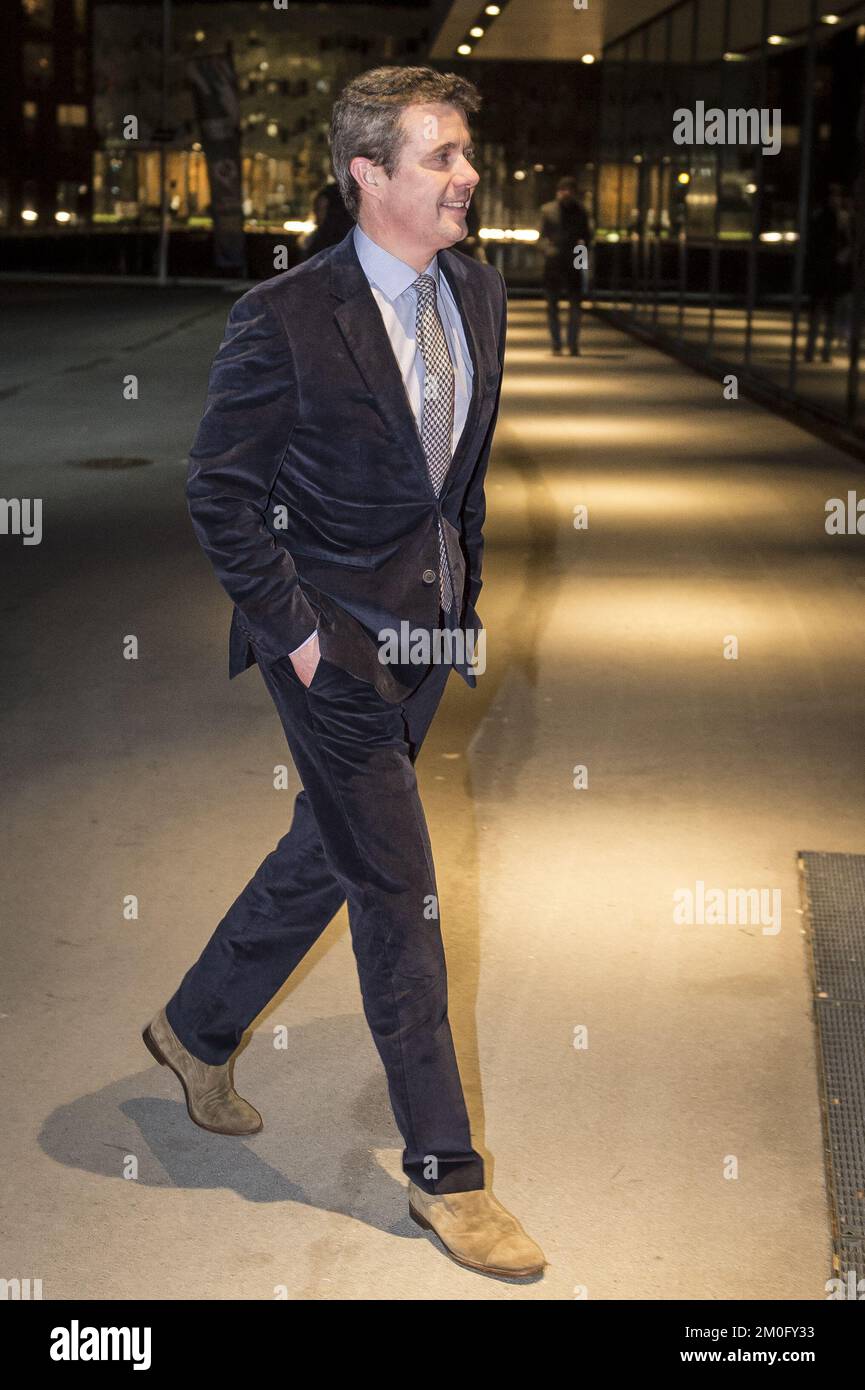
366,338
452,265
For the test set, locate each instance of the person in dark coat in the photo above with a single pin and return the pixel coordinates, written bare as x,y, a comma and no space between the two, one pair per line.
827,263
332,220
564,225
336,484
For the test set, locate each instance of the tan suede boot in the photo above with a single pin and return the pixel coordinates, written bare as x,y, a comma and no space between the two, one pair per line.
477,1231
211,1099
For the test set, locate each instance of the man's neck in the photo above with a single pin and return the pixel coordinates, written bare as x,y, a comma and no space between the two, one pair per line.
408,252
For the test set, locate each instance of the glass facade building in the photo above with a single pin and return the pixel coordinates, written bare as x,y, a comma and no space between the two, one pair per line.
730,193
46,136
290,64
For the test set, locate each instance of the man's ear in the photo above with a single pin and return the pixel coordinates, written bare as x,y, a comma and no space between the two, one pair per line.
364,171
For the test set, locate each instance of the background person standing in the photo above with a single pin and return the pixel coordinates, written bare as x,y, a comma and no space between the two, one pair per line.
564,225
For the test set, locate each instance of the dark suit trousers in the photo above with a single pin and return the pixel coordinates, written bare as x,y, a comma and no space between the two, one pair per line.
560,278
358,833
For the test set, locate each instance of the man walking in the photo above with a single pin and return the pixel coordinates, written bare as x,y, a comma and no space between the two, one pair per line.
336,484
564,227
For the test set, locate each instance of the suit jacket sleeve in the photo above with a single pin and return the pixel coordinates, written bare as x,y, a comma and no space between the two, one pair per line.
239,448
474,507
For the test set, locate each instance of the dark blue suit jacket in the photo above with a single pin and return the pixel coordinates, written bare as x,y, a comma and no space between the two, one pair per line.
308,487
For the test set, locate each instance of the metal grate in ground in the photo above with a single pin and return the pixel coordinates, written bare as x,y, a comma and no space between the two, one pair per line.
833,899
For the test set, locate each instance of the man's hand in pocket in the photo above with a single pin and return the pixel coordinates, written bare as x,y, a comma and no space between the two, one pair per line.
306,659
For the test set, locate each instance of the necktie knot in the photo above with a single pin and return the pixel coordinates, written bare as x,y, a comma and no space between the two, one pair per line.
425,286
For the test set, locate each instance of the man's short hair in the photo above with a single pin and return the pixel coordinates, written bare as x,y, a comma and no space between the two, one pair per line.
567,182
367,117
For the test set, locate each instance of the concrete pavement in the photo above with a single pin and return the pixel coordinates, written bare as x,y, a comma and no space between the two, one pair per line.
676,1151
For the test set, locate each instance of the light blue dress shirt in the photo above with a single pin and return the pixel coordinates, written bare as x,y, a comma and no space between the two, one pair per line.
390,280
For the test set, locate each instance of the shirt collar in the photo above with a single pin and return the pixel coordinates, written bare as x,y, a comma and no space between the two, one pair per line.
389,274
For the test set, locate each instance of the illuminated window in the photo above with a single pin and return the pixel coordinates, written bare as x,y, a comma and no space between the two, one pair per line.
72,115
39,13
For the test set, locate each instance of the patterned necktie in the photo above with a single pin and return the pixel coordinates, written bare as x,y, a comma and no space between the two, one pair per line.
437,418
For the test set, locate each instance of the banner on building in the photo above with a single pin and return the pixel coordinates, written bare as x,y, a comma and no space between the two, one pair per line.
217,105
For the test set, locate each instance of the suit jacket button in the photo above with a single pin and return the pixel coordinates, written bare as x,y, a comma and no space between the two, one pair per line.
429,576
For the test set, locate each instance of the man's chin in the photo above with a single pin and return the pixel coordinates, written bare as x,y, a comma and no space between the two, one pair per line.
456,226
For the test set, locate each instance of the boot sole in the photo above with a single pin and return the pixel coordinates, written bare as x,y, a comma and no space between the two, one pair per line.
474,1264
153,1048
